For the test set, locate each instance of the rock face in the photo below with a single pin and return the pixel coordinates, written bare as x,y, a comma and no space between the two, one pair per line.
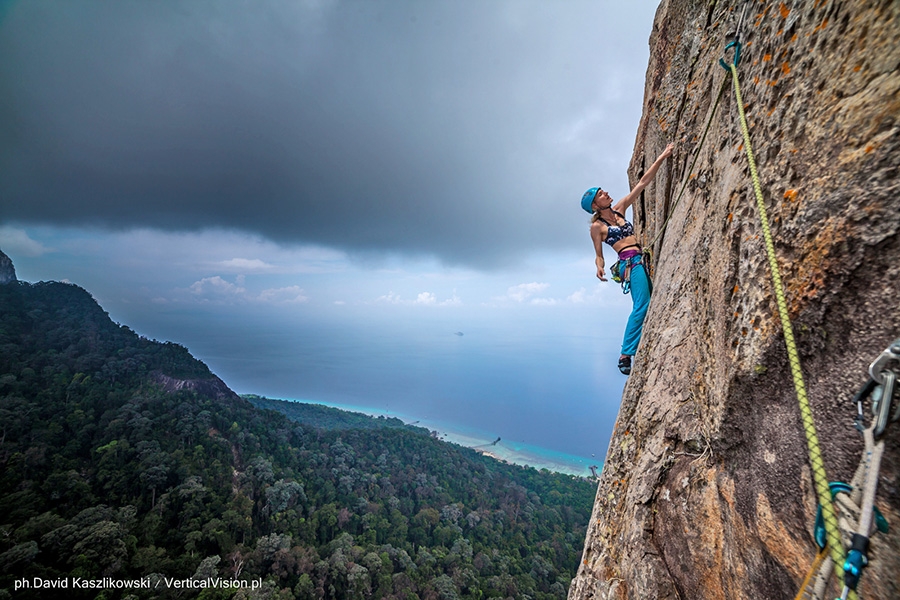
706,490
211,388
7,270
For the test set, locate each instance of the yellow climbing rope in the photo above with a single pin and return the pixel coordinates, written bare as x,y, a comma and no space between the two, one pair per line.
835,545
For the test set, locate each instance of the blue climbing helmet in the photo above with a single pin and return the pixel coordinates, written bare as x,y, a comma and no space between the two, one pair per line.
588,199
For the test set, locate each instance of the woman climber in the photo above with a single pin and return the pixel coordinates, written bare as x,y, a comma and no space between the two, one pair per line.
609,225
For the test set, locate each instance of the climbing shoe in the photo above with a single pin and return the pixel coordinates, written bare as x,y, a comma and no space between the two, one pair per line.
625,365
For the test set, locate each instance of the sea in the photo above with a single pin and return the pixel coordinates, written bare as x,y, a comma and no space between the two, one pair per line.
548,388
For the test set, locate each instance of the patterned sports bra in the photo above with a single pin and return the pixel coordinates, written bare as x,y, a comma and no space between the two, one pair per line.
616,233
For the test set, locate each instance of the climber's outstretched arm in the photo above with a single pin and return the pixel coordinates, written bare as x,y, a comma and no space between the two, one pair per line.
628,200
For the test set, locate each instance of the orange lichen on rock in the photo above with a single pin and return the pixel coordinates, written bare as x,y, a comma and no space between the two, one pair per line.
785,11
761,16
785,68
790,195
811,271
767,57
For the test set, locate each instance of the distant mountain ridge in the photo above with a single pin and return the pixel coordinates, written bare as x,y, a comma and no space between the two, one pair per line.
65,320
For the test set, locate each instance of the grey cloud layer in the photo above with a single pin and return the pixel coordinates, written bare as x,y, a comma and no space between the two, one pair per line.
464,130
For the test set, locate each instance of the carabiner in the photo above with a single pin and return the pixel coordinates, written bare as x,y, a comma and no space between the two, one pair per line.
881,402
880,364
737,55
738,31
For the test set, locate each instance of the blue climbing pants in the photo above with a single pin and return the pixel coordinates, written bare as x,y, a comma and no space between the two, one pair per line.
640,297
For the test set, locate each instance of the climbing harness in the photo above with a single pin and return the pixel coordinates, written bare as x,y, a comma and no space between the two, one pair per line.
621,271
820,479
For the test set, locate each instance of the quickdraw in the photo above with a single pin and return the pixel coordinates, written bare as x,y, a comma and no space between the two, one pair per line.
858,516
882,398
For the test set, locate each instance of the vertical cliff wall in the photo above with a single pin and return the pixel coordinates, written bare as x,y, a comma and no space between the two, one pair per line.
7,270
706,490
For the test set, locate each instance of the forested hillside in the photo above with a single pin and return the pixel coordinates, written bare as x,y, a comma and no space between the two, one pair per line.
126,459
326,417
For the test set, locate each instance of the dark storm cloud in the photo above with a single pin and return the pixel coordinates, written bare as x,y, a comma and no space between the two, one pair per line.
458,129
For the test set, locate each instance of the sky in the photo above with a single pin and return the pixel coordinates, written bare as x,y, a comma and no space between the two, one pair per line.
368,203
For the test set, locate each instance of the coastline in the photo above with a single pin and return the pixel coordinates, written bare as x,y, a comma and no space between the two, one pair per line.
494,446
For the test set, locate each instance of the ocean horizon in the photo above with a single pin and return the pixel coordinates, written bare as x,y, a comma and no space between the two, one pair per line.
548,388
510,451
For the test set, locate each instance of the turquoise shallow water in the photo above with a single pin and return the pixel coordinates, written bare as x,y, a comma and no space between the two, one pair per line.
510,451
